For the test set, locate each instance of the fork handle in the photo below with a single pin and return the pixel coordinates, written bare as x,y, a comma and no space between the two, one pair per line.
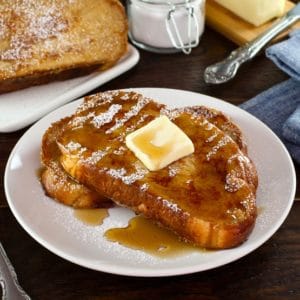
230,65
11,288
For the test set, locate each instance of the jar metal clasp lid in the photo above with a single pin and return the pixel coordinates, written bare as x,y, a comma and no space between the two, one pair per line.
192,29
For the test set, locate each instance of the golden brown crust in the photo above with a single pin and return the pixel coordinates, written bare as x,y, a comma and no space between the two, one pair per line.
42,41
57,183
208,198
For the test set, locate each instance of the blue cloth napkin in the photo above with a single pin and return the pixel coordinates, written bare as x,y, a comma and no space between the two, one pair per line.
279,107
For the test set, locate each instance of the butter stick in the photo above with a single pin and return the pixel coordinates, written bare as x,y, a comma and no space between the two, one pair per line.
256,12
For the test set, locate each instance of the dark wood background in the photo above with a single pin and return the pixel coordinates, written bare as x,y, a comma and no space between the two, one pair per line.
270,272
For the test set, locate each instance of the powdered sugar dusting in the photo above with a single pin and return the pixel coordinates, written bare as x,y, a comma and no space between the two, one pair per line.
125,96
221,143
72,146
144,187
134,111
96,156
3,28
32,22
122,174
97,99
107,116
212,137
119,151
233,182
78,121
141,120
173,170
173,206
170,113
47,25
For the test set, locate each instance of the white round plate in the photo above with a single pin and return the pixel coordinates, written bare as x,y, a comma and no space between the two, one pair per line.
55,227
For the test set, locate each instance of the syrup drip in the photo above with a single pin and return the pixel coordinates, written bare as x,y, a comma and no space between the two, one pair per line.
144,142
260,210
39,172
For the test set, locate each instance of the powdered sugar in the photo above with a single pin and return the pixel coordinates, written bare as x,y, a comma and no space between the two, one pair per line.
47,25
212,137
233,182
33,22
72,146
119,151
107,116
173,206
97,99
173,170
96,156
134,111
221,143
122,174
144,187
79,121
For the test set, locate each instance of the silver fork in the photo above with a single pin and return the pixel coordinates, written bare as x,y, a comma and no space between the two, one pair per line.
225,70
11,288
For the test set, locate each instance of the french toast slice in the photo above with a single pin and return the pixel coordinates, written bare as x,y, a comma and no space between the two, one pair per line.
41,41
207,198
62,187
57,183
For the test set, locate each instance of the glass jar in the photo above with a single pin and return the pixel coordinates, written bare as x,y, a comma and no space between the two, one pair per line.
166,26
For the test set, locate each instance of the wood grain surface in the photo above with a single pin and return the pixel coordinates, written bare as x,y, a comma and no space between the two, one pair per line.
270,272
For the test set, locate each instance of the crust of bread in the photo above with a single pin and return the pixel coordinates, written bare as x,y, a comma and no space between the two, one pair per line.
58,184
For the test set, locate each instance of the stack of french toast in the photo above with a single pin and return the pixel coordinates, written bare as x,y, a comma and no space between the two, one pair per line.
42,41
207,198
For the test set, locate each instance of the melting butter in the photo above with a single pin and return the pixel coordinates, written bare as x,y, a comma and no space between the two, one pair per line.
159,143
142,234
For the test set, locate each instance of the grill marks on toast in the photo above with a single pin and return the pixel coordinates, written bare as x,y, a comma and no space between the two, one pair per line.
207,198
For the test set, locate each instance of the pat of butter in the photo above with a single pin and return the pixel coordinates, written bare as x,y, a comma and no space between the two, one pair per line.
256,12
159,143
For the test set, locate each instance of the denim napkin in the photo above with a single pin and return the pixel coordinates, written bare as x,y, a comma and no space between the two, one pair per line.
279,107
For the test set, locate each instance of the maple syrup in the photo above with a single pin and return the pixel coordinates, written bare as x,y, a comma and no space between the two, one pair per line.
260,210
92,217
144,142
142,234
39,172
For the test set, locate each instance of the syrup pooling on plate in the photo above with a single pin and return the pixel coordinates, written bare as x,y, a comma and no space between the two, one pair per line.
92,217
39,172
142,234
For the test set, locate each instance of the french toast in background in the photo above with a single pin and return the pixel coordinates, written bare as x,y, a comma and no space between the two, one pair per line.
207,198
42,41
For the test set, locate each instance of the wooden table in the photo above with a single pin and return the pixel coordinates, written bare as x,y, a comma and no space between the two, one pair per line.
271,271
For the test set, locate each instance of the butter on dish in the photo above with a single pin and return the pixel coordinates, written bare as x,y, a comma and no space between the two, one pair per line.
256,12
